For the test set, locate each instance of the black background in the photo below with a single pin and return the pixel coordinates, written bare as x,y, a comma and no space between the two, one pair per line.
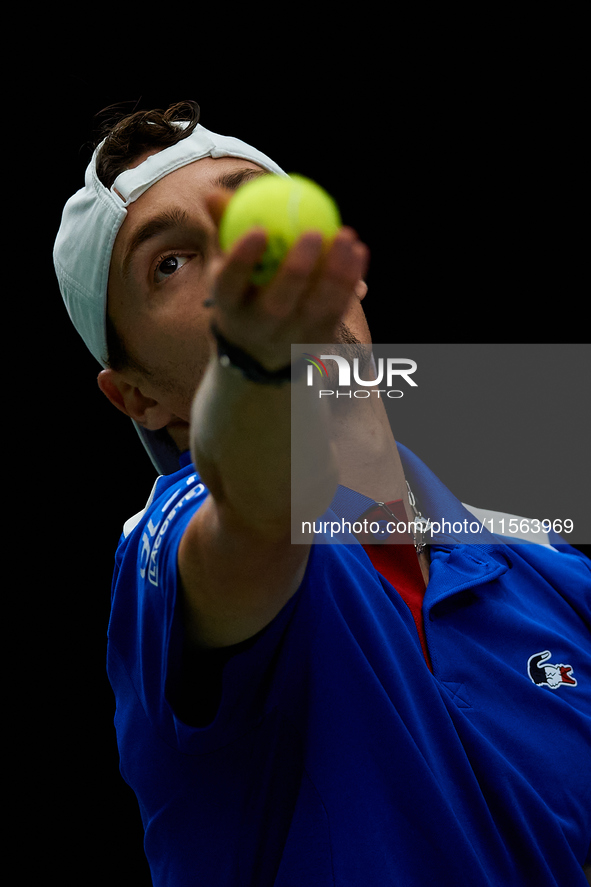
456,159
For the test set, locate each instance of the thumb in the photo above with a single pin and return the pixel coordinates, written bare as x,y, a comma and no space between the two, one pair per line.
216,202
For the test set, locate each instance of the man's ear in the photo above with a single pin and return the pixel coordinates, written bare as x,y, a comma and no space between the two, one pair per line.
146,411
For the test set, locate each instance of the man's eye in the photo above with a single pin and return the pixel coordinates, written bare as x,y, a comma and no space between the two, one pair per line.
168,266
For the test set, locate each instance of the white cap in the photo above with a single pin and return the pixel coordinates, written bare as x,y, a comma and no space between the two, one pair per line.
91,220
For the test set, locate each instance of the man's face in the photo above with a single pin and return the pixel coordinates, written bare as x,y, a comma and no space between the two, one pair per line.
160,278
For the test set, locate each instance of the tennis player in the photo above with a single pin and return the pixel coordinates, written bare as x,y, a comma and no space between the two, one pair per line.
352,714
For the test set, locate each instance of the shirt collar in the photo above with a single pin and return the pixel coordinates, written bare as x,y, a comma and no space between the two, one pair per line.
453,523
184,459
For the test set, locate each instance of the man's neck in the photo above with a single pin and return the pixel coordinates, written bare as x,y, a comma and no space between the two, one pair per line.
368,458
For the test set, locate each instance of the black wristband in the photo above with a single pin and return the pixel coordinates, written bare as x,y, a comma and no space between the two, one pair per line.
251,369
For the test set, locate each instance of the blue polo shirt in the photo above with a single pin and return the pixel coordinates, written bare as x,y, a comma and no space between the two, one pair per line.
332,754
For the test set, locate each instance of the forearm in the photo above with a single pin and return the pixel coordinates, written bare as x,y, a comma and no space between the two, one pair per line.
241,443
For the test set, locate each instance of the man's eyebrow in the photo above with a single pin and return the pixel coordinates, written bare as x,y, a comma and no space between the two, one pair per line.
164,221
237,177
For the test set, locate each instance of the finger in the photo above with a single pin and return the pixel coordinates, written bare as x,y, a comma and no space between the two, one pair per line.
216,203
233,275
337,284
294,275
361,289
305,263
347,258
345,266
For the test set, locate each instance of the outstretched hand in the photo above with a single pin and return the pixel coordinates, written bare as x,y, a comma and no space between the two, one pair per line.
304,302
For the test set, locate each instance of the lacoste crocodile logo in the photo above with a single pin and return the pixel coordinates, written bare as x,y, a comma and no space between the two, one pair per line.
553,675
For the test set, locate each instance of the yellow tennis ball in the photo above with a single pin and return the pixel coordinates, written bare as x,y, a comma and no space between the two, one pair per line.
286,208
